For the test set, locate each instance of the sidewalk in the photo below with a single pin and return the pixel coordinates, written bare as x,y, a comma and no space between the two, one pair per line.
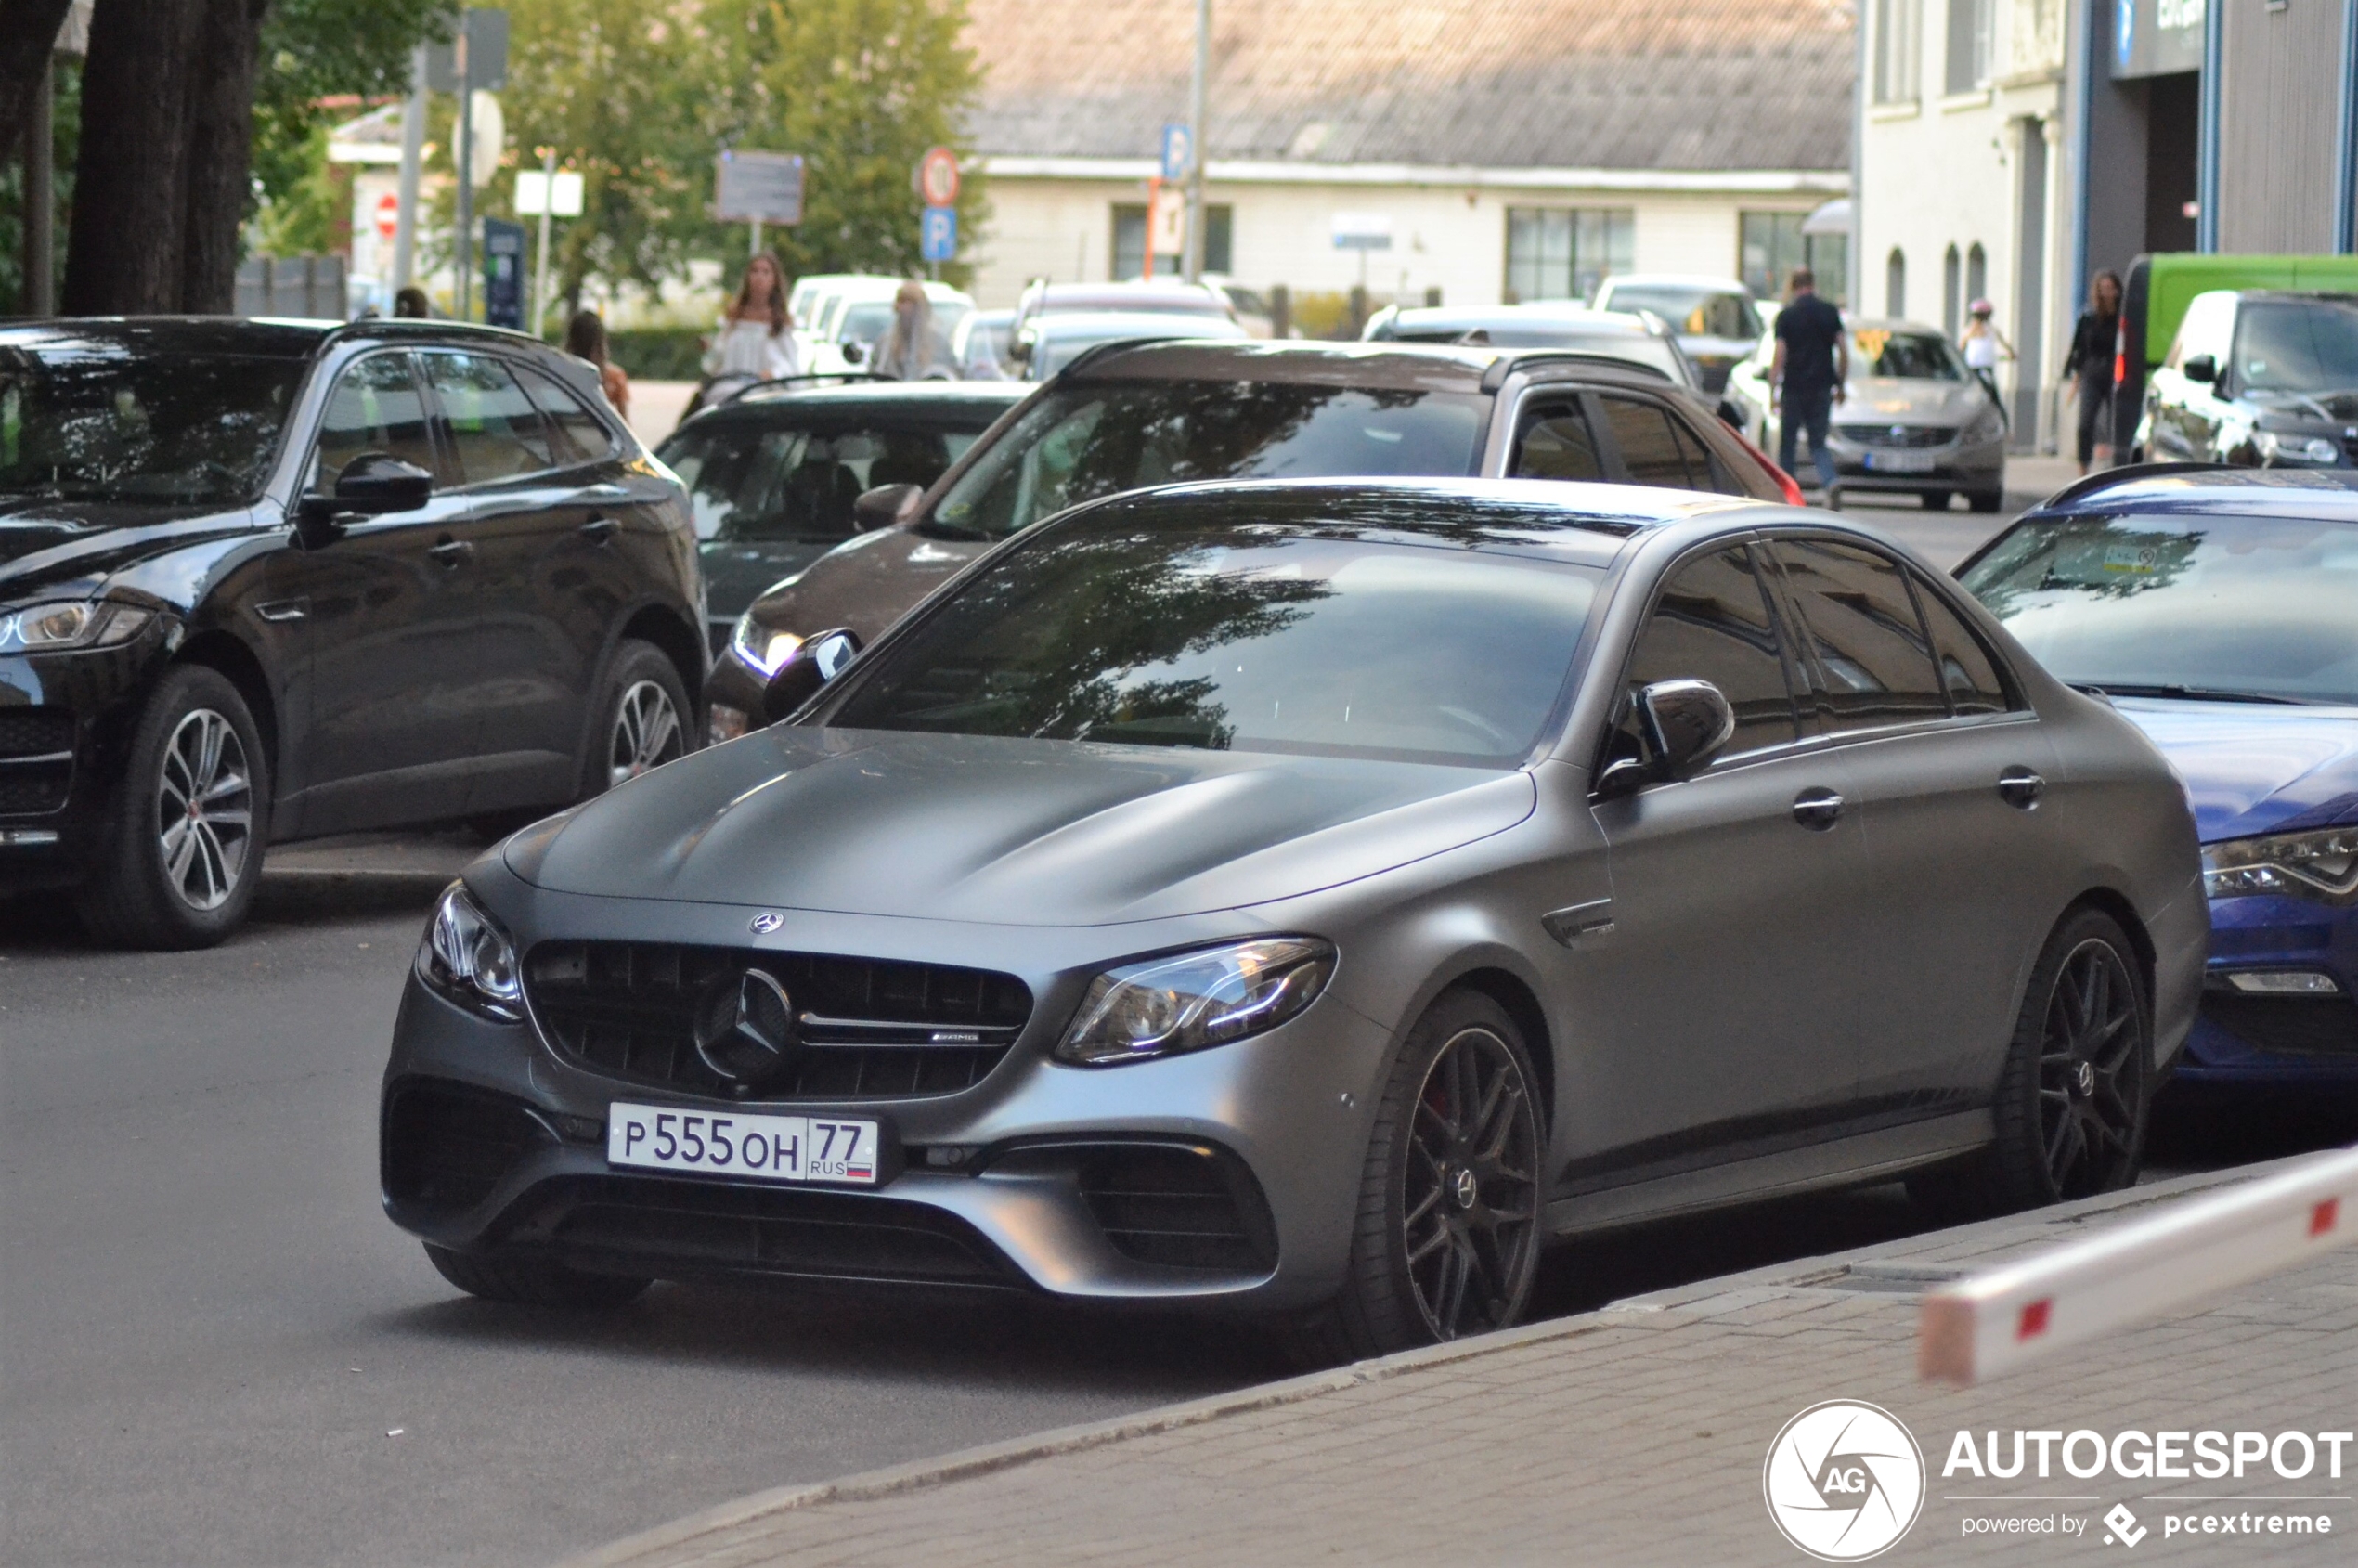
1632,1436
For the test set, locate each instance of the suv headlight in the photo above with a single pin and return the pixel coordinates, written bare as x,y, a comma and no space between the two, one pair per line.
467,959
2294,446
1189,1000
761,649
74,623
2321,866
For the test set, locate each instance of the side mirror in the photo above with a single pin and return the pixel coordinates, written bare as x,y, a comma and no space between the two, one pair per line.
1019,349
372,485
1731,415
1686,724
814,664
854,353
884,506
2201,368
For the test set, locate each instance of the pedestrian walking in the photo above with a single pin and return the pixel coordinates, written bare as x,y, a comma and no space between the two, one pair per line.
586,339
411,304
912,350
1983,346
1807,377
756,338
2088,370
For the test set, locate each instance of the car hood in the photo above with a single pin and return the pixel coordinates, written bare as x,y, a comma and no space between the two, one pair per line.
2253,768
1893,401
1007,831
864,583
2325,406
735,573
48,543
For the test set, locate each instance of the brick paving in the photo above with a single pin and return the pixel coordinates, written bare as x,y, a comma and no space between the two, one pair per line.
1632,1436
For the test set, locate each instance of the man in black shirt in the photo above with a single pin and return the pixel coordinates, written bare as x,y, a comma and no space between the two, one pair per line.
1812,364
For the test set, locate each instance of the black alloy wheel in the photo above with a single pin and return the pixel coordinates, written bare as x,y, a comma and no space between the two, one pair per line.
2090,1073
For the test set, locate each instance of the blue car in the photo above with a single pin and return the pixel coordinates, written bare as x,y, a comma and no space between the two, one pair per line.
2217,609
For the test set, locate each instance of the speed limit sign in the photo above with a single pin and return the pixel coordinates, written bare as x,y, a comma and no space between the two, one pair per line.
938,177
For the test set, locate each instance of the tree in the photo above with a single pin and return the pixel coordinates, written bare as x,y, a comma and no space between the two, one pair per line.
316,50
28,31
130,204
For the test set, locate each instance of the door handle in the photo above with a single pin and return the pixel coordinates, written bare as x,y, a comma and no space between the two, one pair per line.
2020,788
450,551
280,610
600,530
1816,810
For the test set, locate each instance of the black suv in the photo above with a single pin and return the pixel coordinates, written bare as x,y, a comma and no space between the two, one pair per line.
1128,416
2266,379
270,580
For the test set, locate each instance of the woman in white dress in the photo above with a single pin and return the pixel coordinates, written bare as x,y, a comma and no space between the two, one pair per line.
756,341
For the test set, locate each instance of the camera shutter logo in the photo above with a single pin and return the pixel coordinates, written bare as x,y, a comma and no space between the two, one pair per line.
1843,1480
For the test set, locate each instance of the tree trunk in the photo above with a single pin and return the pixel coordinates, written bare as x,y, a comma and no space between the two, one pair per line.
28,31
130,198
220,142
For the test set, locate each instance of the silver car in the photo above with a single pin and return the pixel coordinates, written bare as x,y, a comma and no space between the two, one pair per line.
1310,899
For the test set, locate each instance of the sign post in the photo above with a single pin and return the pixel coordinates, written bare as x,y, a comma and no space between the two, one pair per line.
475,61
938,183
551,194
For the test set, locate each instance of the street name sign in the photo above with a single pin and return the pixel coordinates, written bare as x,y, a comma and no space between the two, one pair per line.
759,188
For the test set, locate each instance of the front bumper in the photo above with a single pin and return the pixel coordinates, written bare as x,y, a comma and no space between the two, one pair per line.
64,718
1970,466
1227,1177
2291,1040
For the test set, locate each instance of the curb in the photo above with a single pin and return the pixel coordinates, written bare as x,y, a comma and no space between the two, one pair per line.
965,1464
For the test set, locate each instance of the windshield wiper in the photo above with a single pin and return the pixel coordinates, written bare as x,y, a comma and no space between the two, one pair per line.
2192,693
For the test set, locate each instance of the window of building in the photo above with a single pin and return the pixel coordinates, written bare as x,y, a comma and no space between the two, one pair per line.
1976,272
1895,283
1563,253
1970,32
1952,282
1130,241
1770,245
1898,48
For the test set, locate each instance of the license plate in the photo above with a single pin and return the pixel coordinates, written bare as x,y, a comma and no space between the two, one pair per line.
764,1149
1902,462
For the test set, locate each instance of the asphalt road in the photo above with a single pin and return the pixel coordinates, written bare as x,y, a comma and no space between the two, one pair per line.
213,1349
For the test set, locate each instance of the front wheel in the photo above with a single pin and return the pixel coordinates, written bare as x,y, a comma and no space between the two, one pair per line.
643,720
1987,500
1935,500
1447,1240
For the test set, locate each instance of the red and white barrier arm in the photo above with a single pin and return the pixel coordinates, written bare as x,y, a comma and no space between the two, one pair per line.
1988,1325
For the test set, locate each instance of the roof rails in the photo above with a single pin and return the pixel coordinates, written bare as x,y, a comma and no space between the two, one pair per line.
1513,360
2079,489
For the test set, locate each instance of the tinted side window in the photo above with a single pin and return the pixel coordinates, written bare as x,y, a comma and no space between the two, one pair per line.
1713,624
1650,449
1556,443
1967,672
1707,476
498,432
1873,657
375,407
580,435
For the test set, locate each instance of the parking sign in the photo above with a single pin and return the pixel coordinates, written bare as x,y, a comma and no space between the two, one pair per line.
1178,152
938,234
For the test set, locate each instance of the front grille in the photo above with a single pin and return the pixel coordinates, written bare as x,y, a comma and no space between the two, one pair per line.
2292,1026
871,1028
447,1146
1908,434
660,1226
1179,1205
36,758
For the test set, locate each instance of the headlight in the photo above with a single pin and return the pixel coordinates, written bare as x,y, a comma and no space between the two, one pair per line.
1164,1006
94,623
1987,425
468,960
2294,446
761,649
2322,867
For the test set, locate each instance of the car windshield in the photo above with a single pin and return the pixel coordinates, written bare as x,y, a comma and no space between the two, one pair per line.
1711,313
1907,356
2260,607
94,424
1242,637
750,481
1077,443
2306,345
865,323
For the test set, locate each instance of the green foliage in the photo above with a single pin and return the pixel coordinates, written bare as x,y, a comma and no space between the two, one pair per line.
316,50
662,353
312,215
67,132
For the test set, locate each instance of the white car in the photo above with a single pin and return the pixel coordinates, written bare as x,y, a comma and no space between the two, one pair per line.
1715,319
855,313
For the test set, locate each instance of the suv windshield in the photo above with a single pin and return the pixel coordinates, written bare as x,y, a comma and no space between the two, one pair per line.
1907,356
2258,607
1077,443
1241,636
1698,312
95,426
2304,346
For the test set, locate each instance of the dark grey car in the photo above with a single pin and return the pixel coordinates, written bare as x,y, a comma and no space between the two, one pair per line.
1311,899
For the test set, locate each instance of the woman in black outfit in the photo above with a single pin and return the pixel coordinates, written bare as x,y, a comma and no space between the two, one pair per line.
2088,368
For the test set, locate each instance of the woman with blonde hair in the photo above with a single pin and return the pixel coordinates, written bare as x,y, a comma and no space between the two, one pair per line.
913,351
756,340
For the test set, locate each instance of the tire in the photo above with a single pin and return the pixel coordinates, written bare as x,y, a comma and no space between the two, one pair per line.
1474,1212
532,1281
1985,500
167,873
626,740
2075,1098
1935,500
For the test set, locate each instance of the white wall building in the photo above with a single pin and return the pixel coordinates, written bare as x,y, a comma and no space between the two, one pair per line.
1519,149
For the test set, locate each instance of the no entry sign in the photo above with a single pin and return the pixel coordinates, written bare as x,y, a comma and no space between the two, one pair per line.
388,214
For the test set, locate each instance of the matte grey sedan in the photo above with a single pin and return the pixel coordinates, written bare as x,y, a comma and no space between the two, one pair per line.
1309,900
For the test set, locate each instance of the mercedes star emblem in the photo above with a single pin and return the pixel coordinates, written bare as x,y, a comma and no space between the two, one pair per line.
766,922
746,1027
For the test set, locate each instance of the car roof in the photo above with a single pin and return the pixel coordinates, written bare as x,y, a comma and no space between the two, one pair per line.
863,286
2209,489
1160,322
1675,280
1135,294
768,398
1567,313
1890,324
277,337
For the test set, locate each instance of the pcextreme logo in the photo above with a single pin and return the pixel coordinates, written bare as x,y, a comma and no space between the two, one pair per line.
1844,1480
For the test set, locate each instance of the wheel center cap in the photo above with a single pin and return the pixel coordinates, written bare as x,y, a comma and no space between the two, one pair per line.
2083,1080
1464,1189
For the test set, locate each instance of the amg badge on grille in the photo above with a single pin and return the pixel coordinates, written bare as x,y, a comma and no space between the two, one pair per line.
746,1027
